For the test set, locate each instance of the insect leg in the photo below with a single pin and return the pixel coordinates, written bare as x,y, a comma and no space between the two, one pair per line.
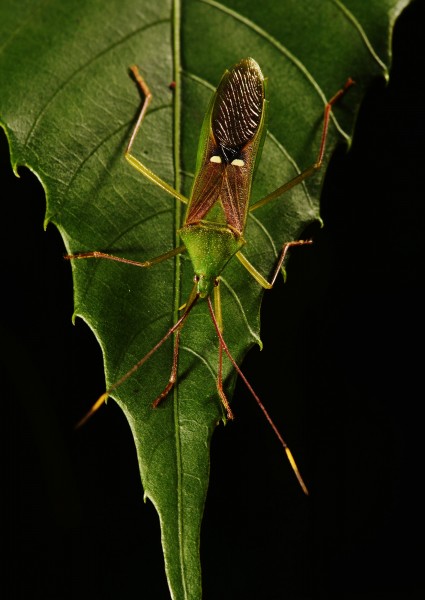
146,264
256,398
257,275
135,162
176,327
218,318
319,160
173,376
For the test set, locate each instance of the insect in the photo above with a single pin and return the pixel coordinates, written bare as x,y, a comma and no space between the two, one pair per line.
229,150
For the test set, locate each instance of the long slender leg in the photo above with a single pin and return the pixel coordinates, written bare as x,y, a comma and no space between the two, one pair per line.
220,388
319,160
287,186
257,275
218,317
175,328
194,295
224,347
145,264
135,162
173,375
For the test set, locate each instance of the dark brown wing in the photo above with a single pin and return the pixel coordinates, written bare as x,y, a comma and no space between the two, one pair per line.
234,196
207,186
238,107
230,147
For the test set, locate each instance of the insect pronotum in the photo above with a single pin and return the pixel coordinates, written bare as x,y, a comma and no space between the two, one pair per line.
213,231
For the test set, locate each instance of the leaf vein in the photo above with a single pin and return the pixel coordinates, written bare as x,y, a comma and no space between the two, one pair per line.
363,36
80,69
282,49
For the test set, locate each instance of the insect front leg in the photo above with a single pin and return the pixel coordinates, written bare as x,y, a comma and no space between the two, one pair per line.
135,162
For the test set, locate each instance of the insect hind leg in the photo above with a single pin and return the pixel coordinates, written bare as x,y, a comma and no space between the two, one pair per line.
175,328
173,375
220,388
223,346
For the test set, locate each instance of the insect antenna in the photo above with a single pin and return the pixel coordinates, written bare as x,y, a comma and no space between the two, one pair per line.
288,452
176,327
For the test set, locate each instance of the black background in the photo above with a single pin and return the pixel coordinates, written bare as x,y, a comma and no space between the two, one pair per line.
73,501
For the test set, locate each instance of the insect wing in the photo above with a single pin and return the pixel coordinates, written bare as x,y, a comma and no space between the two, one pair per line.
207,186
238,108
235,192
230,139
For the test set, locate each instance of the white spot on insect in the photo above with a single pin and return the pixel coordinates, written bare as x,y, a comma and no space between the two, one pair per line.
215,159
237,162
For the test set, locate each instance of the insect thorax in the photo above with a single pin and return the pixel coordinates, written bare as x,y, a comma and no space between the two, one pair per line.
210,247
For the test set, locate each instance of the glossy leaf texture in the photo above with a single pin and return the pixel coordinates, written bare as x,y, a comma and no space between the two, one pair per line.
68,106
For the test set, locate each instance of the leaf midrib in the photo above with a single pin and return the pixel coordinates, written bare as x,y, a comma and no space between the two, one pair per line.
176,12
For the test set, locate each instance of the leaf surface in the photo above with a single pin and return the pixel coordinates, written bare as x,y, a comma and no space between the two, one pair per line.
68,107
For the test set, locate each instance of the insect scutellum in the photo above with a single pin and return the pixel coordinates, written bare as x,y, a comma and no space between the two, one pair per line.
229,150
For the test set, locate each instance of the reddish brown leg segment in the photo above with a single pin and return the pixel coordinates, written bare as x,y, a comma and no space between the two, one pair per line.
173,376
223,345
315,166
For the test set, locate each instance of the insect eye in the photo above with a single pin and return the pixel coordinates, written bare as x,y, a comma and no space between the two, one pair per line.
196,278
215,159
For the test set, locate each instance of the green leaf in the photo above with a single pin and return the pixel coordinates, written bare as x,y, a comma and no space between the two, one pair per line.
68,106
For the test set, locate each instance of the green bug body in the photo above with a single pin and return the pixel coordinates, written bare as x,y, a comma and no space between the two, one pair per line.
231,137
229,150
